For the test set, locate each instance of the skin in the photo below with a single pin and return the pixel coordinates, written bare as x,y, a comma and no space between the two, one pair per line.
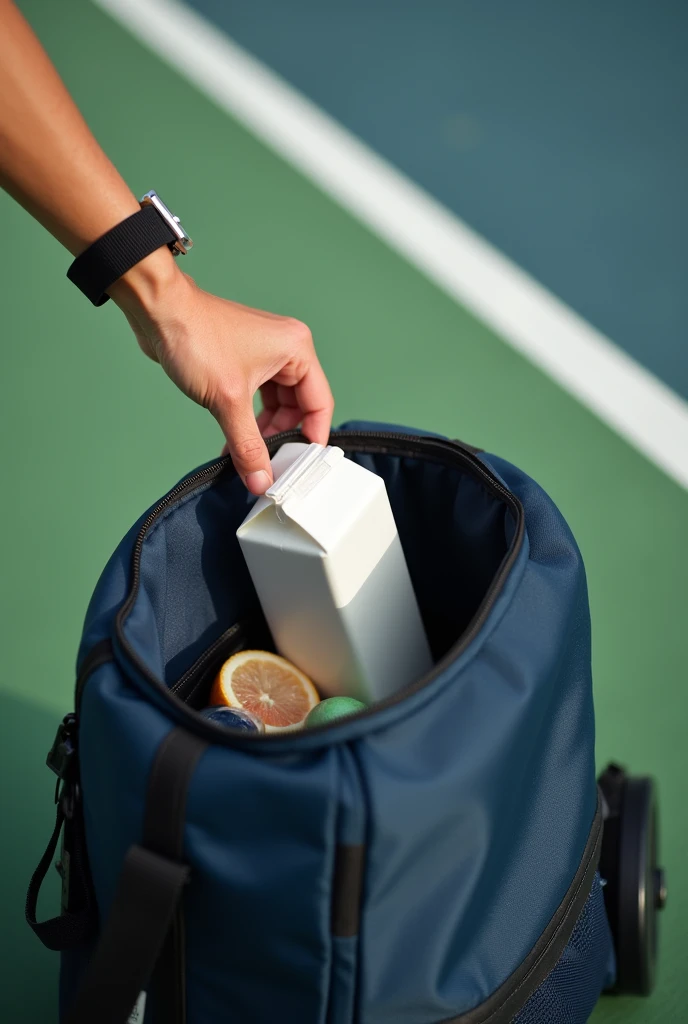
219,353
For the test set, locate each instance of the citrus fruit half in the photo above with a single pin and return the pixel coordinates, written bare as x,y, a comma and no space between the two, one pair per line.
267,686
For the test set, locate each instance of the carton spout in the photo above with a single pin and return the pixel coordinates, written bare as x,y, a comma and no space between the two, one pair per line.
304,474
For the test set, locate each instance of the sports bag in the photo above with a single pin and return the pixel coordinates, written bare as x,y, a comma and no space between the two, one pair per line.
432,859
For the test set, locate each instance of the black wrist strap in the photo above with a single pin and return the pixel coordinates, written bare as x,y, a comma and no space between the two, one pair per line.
104,262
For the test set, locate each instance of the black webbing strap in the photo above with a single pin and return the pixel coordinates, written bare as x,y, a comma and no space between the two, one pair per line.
108,258
147,894
74,926
143,936
163,832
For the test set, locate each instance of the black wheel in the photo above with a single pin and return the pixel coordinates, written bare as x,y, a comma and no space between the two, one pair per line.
635,889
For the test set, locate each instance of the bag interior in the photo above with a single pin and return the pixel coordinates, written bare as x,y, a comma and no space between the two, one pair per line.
194,584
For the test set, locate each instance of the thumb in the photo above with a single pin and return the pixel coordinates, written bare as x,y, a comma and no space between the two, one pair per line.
245,444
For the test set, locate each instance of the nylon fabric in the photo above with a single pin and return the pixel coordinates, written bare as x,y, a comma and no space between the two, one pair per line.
194,581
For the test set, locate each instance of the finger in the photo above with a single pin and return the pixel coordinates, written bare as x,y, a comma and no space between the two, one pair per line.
246,446
315,400
270,400
287,417
281,411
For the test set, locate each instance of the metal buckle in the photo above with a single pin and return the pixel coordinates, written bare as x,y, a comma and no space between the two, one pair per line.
182,243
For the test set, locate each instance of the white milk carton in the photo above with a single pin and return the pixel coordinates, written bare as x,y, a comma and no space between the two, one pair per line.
325,558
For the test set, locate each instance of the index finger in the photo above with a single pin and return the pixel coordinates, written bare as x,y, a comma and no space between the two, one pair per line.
314,398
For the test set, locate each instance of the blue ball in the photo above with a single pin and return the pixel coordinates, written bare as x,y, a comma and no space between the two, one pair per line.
233,718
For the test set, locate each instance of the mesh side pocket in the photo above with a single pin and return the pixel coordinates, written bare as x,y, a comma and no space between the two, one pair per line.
569,993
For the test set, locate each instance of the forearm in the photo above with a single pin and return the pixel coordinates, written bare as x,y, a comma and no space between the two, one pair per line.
217,352
49,160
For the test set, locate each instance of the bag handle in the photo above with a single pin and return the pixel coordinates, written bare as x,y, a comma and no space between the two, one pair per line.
143,935
146,898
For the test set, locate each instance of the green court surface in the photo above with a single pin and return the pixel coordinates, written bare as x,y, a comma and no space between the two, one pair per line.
93,433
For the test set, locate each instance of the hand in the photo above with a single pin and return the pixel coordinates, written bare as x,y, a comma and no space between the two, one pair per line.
219,353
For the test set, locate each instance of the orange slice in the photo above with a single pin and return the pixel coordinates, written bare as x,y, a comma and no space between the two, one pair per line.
268,686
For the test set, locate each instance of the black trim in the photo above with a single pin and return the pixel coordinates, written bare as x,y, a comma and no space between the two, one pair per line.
468,447
117,251
347,888
411,446
514,993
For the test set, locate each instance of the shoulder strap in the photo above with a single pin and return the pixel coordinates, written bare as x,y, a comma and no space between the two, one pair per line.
143,936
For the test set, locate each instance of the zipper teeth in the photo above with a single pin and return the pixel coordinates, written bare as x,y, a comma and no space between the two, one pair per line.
189,484
399,441
236,630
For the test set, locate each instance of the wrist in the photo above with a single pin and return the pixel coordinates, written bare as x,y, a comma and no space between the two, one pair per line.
133,262
147,287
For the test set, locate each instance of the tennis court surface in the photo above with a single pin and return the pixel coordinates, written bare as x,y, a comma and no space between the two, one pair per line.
94,433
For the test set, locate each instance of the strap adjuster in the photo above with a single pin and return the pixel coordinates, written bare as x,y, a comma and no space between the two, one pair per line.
61,756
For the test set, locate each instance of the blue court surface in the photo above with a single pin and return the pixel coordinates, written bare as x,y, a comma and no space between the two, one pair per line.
558,131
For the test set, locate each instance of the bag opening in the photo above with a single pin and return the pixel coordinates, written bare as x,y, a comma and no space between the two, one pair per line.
193,604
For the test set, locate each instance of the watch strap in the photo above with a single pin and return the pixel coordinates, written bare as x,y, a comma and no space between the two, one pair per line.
117,251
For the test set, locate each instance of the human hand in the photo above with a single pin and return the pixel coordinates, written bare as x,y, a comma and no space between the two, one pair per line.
219,353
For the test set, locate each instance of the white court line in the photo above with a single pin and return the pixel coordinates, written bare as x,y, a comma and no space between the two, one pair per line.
622,393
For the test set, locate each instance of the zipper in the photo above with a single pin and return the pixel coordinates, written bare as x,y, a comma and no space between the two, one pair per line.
373,442
236,631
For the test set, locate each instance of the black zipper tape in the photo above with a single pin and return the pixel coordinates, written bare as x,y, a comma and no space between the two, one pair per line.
186,685
373,443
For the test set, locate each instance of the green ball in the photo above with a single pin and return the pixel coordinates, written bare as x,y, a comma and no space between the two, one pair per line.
333,708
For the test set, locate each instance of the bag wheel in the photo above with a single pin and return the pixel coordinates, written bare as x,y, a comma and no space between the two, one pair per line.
635,889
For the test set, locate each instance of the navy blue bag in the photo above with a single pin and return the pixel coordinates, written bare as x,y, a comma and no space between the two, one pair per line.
433,859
